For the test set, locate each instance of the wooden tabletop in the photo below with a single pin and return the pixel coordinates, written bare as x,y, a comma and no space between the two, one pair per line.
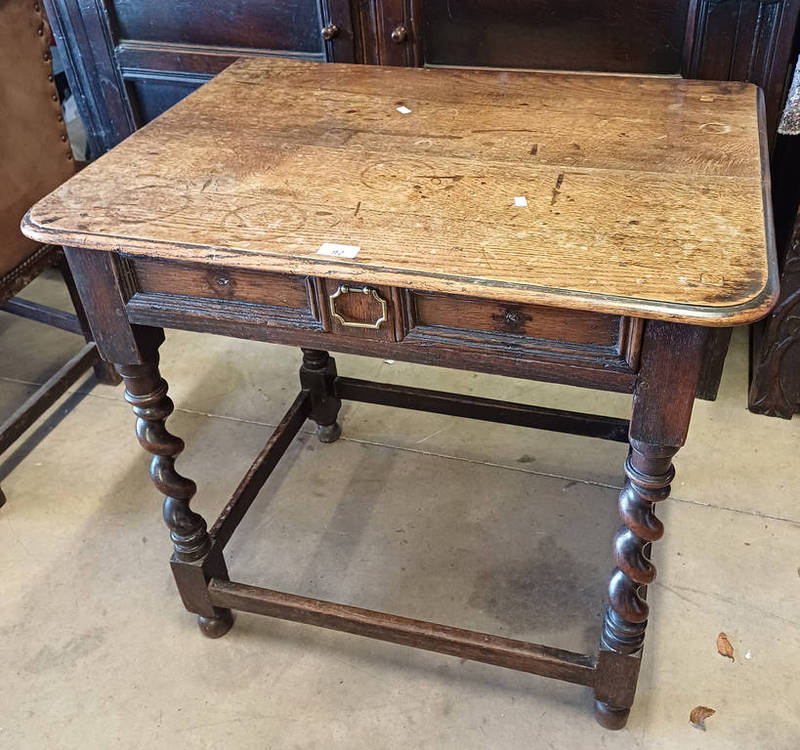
619,194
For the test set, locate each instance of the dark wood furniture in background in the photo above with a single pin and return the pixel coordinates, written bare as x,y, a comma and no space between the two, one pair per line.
35,157
416,244
129,60
775,364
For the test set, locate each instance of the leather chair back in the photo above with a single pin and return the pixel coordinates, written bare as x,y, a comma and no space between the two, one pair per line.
35,155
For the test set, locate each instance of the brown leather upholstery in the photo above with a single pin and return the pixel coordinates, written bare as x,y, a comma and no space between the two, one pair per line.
35,154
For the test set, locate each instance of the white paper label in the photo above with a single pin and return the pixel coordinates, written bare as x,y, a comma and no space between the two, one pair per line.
521,201
403,110
338,251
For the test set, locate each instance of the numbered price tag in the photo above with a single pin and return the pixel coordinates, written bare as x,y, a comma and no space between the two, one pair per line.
337,250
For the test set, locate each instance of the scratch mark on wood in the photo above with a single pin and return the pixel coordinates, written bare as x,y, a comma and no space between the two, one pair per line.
504,130
455,177
557,188
358,207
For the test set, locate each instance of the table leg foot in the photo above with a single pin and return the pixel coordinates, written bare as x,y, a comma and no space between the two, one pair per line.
2,498
610,717
318,377
216,627
329,433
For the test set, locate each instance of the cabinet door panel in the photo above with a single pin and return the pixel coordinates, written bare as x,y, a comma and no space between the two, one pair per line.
276,25
152,97
621,36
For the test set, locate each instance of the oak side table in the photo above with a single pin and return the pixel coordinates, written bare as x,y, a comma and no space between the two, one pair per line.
571,228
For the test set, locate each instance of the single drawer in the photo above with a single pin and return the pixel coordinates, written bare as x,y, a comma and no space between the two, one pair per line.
214,282
524,330
533,321
278,300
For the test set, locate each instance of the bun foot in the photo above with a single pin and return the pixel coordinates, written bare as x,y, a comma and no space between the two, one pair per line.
216,627
329,433
610,717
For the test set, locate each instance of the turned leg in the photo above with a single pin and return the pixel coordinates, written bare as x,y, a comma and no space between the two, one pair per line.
648,471
317,375
671,363
192,565
101,291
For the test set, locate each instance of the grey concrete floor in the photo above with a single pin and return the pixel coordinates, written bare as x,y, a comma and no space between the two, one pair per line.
483,526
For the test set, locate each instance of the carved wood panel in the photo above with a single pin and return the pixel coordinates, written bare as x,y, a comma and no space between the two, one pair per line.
775,388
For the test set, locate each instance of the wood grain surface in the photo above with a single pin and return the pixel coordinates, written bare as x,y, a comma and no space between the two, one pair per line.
645,196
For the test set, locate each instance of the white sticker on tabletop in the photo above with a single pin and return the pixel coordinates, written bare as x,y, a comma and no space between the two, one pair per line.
337,250
403,110
521,201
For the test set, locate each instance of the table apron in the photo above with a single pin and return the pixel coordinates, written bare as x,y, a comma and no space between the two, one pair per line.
271,324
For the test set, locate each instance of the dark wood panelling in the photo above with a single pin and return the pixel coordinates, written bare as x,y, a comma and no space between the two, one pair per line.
137,59
389,32
152,96
83,36
775,388
743,40
341,47
127,61
276,25
633,36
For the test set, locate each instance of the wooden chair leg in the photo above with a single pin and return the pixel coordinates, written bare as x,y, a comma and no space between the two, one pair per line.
671,364
104,371
192,563
317,375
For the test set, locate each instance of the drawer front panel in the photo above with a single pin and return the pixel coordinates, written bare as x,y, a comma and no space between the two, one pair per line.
359,311
544,343
532,321
213,282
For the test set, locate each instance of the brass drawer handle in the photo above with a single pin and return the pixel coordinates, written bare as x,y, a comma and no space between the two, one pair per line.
347,289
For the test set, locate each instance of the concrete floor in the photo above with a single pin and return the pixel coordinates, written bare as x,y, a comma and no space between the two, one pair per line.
483,526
